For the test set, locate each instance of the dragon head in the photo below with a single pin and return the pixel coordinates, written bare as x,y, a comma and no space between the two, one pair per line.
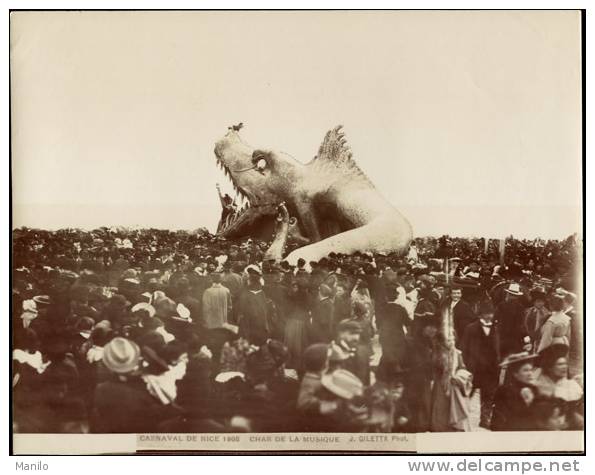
262,178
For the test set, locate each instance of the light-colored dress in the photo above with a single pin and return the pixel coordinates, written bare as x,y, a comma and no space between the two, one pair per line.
565,389
555,330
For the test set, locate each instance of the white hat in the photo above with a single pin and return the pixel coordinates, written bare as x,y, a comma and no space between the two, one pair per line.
561,292
227,375
255,268
232,328
343,383
144,306
514,289
183,312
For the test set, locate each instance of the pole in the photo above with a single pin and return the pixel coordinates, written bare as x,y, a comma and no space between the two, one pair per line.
502,249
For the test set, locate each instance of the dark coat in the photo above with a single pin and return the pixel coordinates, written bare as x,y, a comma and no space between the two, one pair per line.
341,310
378,288
511,413
462,317
127,407
419,385
425,368
233,282
392,338
510,316
481,354
253,313
194,390
322,321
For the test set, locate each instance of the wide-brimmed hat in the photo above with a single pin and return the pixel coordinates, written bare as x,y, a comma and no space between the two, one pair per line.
68,274
343,383
226,376
129,274
182,313
560,292
518,358
253,269
551,354
514,289
147,307
121,355
42,300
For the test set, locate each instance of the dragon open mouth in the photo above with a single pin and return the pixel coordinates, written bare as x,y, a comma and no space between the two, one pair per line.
241,202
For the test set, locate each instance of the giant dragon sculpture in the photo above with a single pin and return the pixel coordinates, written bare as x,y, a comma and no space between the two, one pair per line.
326,205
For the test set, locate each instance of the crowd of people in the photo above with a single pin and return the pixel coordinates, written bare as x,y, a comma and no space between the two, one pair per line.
145,331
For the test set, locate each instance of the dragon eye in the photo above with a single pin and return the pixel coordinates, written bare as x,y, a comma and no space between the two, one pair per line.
261,164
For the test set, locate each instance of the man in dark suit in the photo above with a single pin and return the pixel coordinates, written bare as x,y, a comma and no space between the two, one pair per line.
254,311
392,336
322,316
481,354
510,315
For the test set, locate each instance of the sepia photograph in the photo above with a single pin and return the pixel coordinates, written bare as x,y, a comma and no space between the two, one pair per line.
297,231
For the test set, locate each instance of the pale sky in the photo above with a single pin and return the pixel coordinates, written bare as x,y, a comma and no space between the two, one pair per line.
468,122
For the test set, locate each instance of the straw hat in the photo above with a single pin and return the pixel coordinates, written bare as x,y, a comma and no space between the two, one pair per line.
121,355
514,289
343,383
144,306
517,358
42,299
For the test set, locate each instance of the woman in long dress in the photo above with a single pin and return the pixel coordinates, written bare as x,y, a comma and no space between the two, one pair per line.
296,326
439,384
451,390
